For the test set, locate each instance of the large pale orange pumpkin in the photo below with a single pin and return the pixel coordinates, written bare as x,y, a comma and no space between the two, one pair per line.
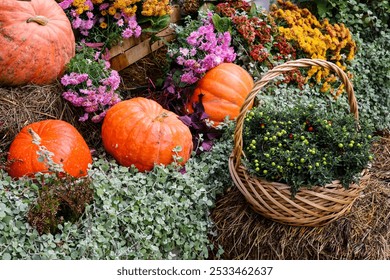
36,42
224,90
140,132
58,137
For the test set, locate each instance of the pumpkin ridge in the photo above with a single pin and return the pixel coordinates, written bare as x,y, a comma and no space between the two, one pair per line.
160,125
133,134
44,129
51,56
174,130
160,121
165,131
20,45
130,132
226,72
151,107
146,140
135,123
33,162
225,94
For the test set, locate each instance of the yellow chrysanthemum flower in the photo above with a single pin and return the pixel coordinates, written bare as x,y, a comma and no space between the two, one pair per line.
155,8
80,6
112,10
317,39
103,25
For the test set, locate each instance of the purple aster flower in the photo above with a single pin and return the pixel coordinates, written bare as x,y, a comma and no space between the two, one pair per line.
189,78
137,31
191,63
120,22
133,23
87,24
65,4
89,4
193,52
127,33
184,51
193,38
104,6
84,117
90,15
84,33
180,60
76,23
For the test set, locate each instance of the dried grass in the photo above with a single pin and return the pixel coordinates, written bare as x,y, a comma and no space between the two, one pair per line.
364,233
137,77
20,106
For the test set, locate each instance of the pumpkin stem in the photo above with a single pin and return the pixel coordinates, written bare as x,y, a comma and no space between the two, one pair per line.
161,117
41,20
35,137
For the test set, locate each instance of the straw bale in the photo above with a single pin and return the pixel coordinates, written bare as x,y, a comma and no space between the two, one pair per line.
20,106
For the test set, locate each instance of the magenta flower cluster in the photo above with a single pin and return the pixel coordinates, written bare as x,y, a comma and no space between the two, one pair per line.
204,49
95,94
97,17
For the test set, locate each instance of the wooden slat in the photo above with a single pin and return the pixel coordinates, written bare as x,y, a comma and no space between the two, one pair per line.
140,50
124,45
133,49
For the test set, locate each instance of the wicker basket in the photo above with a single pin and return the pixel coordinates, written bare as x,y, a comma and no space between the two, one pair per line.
310,207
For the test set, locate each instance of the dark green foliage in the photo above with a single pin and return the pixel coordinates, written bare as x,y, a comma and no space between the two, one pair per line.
304,146
364,17
371,79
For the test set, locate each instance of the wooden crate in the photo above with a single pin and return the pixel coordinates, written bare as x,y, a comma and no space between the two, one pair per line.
133,49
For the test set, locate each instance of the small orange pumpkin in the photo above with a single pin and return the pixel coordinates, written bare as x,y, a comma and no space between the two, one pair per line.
58,137
36,40
224,90
140,131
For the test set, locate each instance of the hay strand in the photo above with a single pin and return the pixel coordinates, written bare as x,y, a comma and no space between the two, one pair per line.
20,106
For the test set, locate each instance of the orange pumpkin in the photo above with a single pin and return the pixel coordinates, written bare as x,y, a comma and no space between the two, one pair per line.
141,132
58,137
36,40
224,90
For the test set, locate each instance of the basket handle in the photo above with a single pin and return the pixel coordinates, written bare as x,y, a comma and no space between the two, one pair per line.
271,74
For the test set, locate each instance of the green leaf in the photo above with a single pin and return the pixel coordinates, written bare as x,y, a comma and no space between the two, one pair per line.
322,8
6,256
253,10
222,24
157,24
34,187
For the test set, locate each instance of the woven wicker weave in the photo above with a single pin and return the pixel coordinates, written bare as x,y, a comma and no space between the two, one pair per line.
310,207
